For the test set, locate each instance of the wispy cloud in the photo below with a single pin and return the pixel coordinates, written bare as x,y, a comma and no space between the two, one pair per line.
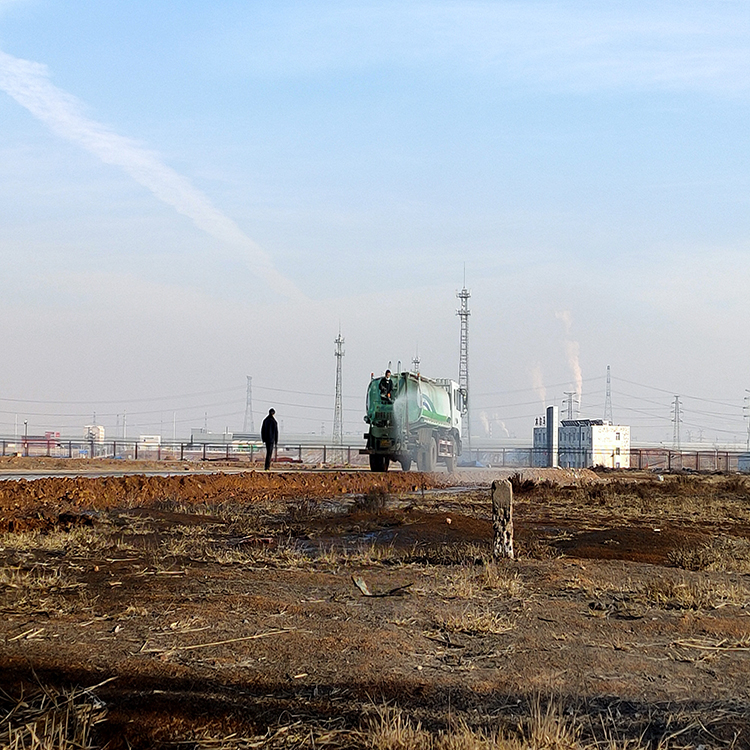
29,84
572,45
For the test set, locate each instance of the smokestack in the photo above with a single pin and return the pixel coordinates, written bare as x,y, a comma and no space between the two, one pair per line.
553,435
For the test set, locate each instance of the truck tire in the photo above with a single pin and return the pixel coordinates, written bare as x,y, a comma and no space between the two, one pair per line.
431,455
427,457
378,463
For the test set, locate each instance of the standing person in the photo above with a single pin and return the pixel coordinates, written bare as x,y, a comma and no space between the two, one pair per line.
269,434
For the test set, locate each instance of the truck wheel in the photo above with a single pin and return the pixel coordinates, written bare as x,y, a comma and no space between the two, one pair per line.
377,463
431,456
405,462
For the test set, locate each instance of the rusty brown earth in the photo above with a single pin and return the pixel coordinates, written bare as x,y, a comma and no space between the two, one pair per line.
215,610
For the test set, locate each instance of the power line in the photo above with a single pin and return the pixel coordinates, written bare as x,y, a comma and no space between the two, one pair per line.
664,390
529,390
119,401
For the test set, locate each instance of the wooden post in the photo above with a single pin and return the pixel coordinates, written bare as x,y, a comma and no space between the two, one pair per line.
502,518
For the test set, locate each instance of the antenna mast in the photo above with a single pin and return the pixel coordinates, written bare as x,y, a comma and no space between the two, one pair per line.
463,360
338,410
608,402
249,421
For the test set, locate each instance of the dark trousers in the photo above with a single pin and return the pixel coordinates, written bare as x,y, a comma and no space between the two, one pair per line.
269,454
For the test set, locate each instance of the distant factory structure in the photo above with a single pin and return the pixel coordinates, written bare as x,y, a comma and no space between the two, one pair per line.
580,443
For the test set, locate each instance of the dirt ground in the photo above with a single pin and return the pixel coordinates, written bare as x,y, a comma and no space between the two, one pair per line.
350,609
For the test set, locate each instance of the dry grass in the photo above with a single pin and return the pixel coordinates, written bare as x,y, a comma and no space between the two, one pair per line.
50,720
720,554
669,593
67,720
490,579
35,579
475,621
80,540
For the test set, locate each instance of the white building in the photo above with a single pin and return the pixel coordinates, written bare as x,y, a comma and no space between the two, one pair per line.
585,442
93,432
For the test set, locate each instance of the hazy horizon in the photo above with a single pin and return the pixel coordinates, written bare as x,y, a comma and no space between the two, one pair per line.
195,193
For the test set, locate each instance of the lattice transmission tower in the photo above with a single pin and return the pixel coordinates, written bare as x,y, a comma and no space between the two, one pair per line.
249,423
463,359
338,409
571,403
676,419
608,401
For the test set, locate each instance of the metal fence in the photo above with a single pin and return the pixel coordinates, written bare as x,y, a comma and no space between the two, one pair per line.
130,450
655,459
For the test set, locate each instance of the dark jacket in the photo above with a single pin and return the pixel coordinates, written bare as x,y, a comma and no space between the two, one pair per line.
386,390
269,431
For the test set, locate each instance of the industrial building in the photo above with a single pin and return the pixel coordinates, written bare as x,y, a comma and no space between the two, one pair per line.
580,443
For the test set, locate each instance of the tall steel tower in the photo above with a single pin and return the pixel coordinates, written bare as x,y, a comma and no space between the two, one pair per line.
676,418
571,402
338,410
416,362
608,401
463,360
249,421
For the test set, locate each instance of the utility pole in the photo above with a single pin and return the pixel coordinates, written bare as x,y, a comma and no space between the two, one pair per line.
463,359
338,409
608,402
746,409
249,421
571,402
676,419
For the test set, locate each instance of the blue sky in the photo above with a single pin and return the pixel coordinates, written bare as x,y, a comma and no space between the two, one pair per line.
193,192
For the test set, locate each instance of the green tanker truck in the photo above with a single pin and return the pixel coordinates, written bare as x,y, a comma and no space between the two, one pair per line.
413,419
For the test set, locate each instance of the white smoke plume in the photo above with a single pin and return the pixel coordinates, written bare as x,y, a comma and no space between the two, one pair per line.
485,422
489,421
29,84
572,351
537,382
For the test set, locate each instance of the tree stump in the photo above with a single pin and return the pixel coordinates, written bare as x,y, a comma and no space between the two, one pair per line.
502,518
